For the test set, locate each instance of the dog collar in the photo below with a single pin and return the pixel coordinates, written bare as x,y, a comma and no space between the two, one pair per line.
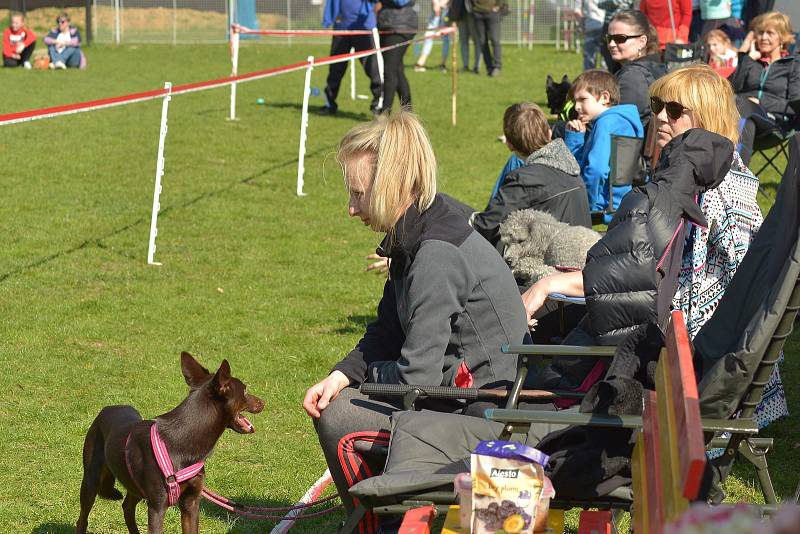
165,464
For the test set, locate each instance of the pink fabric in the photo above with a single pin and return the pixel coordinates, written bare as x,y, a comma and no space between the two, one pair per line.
591,379
165,464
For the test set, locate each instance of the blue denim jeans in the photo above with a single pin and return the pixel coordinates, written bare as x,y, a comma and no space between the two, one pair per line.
71,55
434,22
593,42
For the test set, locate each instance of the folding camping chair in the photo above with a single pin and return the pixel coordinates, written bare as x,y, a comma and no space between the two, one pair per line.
742,342
626,167
773,143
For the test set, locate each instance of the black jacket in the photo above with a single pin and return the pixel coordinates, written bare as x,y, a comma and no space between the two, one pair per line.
550,181
635,78
402,19
631,273
774,85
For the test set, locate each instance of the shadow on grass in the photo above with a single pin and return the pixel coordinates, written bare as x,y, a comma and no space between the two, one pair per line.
54,528
244,524
354,324
97,241
313,110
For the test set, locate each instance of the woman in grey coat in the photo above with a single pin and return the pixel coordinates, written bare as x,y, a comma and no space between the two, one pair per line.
449,304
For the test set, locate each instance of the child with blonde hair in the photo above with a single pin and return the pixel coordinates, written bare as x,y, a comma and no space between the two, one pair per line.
722,56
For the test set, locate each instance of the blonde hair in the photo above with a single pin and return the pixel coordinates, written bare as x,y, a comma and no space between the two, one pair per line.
526,128
395,154
777,21
708,95
719,35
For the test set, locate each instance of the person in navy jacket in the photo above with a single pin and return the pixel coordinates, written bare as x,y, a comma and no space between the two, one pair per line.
64,44
350,15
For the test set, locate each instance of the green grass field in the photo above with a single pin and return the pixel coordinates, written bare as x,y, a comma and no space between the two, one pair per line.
251,273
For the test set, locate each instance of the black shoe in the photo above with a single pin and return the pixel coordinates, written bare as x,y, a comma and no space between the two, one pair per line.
327,110
494,72
443,67
475,70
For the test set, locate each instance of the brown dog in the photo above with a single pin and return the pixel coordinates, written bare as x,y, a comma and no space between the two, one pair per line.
118,447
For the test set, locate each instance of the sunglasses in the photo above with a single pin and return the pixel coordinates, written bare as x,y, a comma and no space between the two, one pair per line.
620,38
62,20
674,109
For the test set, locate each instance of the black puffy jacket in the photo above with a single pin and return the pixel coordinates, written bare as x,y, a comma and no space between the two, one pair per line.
631,273
773,85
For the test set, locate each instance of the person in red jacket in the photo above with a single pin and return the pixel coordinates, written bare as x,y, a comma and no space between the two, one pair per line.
18,43
658,13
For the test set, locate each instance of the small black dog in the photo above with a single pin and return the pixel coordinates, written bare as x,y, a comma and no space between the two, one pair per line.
118,447
557,93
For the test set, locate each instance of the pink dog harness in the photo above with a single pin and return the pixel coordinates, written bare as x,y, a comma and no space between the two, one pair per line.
165,464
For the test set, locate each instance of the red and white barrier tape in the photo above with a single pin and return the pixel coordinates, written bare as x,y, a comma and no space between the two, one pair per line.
91,105
312,494
244,30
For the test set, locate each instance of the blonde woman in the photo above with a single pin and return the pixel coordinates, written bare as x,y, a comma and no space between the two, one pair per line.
448,305
695,97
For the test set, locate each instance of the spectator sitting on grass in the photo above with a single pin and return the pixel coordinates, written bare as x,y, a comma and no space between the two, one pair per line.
549,179
64,45
18,43
600,116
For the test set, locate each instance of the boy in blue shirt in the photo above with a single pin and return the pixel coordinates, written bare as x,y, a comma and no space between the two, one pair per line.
596,97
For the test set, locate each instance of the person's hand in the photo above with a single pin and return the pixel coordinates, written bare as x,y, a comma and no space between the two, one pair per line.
680,41
20,48
380,266
754,100
16,56
576,125
320,395
534,298
747,42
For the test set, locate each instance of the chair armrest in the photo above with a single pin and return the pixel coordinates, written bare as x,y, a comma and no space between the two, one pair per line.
560,297
558,350
564,418
734,426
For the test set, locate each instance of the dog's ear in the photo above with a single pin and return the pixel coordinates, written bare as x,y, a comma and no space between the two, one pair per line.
194,373
565,79
222,379
549,82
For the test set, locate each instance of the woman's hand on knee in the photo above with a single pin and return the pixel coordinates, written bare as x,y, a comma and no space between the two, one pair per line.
323,392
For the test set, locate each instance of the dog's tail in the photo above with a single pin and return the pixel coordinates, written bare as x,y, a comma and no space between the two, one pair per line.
94,465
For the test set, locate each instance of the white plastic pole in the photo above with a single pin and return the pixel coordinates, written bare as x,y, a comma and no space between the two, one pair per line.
376,40
162,136
234,68
352,75
116,21
301,156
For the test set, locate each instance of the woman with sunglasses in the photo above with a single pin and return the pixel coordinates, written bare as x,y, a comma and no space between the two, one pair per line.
64,45
697,97
686,104
767,79
633,43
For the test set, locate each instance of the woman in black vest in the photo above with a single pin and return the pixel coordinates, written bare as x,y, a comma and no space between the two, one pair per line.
399,18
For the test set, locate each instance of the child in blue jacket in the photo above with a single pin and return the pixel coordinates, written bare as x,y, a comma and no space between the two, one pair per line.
596,97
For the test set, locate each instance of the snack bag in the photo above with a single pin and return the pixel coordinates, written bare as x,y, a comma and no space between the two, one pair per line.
507,481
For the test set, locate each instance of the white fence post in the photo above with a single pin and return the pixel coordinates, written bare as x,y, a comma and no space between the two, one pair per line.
234,67
352,75
301,156
116,22
162,136
376,40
